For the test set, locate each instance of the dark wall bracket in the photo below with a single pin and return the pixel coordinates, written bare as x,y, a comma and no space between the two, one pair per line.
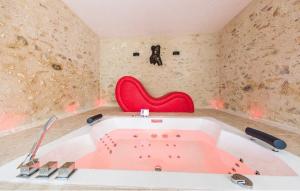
136,54
176,53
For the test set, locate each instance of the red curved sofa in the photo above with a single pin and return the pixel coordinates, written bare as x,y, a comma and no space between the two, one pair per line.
132,97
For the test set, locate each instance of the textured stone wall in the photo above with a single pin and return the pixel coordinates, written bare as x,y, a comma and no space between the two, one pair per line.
260,61
194,71
48,62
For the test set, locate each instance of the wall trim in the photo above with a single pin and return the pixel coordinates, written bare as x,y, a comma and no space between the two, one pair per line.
66,115
264,121
41,122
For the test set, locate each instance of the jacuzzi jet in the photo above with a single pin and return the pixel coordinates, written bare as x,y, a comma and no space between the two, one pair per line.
242,181
165,135
178,156
135,136
153,135
178,136
257,172
158,168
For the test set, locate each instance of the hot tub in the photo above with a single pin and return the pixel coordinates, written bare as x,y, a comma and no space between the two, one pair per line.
164,152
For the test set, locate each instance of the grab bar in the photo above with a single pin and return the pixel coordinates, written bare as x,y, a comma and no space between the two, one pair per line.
273,141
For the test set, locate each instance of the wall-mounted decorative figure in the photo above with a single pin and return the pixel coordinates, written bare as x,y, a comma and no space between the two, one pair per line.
155,56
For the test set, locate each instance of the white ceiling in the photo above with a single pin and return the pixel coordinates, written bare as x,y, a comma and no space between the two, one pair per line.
155,17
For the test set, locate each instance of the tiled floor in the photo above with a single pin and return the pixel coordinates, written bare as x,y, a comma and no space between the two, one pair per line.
15,145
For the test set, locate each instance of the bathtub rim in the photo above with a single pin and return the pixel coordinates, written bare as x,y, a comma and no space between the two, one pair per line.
292,181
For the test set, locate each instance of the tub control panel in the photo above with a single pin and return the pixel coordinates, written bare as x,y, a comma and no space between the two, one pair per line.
156,120
144,113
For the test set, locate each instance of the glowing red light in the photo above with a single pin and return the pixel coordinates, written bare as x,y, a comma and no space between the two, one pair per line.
11,120
217,103
72,107
100,102
256,112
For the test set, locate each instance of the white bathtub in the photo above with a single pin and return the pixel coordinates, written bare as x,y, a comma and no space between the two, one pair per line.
130,163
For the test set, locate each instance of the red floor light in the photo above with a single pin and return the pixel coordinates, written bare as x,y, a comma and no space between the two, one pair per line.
11,120
72,107
256,112
217,103
100,102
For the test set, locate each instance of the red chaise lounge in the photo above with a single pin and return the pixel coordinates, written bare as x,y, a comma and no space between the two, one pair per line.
132,97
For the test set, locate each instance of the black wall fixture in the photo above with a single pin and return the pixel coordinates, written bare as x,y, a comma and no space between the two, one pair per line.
155,56
176,53
136,54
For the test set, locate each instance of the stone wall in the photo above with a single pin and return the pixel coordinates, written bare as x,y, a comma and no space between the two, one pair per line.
49,62
194,71
260,61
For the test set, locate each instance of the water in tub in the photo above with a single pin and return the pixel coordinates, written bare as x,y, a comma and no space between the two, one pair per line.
166,150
